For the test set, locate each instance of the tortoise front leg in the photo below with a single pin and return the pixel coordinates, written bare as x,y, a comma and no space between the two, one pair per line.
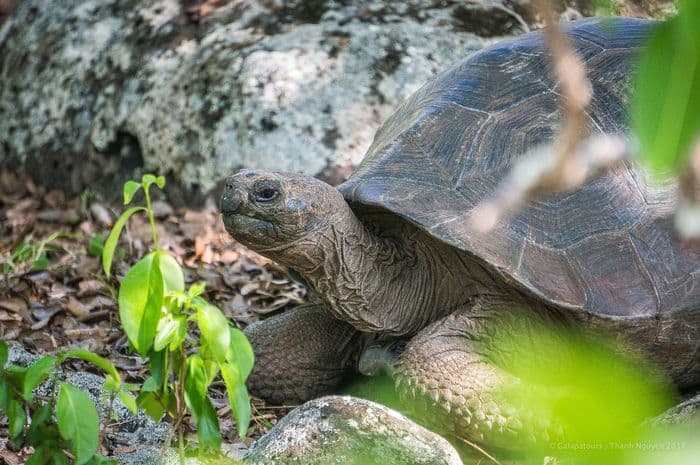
448,376
301,354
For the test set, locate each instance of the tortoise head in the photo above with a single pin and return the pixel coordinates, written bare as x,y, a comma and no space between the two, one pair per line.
267,211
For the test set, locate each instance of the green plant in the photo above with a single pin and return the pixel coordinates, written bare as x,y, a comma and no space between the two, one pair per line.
28,252
596,393
95,246
156,311
62,426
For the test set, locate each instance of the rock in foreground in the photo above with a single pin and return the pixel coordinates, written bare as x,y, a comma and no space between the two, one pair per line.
350,431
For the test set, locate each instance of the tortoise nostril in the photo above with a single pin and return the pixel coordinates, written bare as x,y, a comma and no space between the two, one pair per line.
232,198
230,203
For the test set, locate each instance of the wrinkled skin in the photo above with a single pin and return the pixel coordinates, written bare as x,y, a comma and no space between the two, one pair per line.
305,224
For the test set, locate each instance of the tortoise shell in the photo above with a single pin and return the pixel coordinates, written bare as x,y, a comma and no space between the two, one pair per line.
608,248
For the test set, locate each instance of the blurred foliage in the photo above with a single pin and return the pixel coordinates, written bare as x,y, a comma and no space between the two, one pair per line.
378,389
666,104
592,392
33,253
592,395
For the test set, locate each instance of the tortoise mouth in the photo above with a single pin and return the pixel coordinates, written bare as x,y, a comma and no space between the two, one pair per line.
240,223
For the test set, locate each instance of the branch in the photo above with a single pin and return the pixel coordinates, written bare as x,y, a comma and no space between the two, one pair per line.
561,165
687,220
544,170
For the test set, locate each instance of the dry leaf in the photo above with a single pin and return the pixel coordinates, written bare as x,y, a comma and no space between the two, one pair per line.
76,308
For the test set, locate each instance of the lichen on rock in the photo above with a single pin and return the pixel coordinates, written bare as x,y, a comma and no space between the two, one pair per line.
349,430
95,92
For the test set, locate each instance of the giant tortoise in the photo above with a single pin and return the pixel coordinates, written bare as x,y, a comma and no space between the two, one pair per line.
390,256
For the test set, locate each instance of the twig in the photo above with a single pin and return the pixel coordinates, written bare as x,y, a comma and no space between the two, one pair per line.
571,159
523,24
509,11
530,174
169,439
687,219
555,170
480,450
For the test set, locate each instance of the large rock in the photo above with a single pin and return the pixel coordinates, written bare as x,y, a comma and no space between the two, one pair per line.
93,91
347,430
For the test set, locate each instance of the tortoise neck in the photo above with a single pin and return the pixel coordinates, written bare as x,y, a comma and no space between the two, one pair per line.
390,285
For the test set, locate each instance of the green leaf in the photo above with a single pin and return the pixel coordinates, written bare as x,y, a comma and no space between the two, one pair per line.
197,380
100,362
166,332
36,458
41,263
39,457
130,188
156,363
215,329
95,246
241,352
667,92
60,458
176,300
203,412
4,354
35,375
111,385
129,401
148,401
113,238
37,428
180,335
15,375
140,302
173,277
150,385
4,395
16,419
196,289
211,368
237,396
148,179
207,423
78,422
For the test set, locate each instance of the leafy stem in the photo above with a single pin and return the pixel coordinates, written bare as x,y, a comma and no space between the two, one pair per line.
149,210
155,309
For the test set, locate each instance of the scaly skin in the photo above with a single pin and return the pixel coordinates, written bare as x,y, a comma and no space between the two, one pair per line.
448,374
301,354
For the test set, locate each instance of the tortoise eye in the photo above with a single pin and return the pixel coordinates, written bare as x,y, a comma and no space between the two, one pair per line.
266,194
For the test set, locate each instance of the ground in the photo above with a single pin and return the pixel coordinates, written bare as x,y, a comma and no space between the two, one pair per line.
57,297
